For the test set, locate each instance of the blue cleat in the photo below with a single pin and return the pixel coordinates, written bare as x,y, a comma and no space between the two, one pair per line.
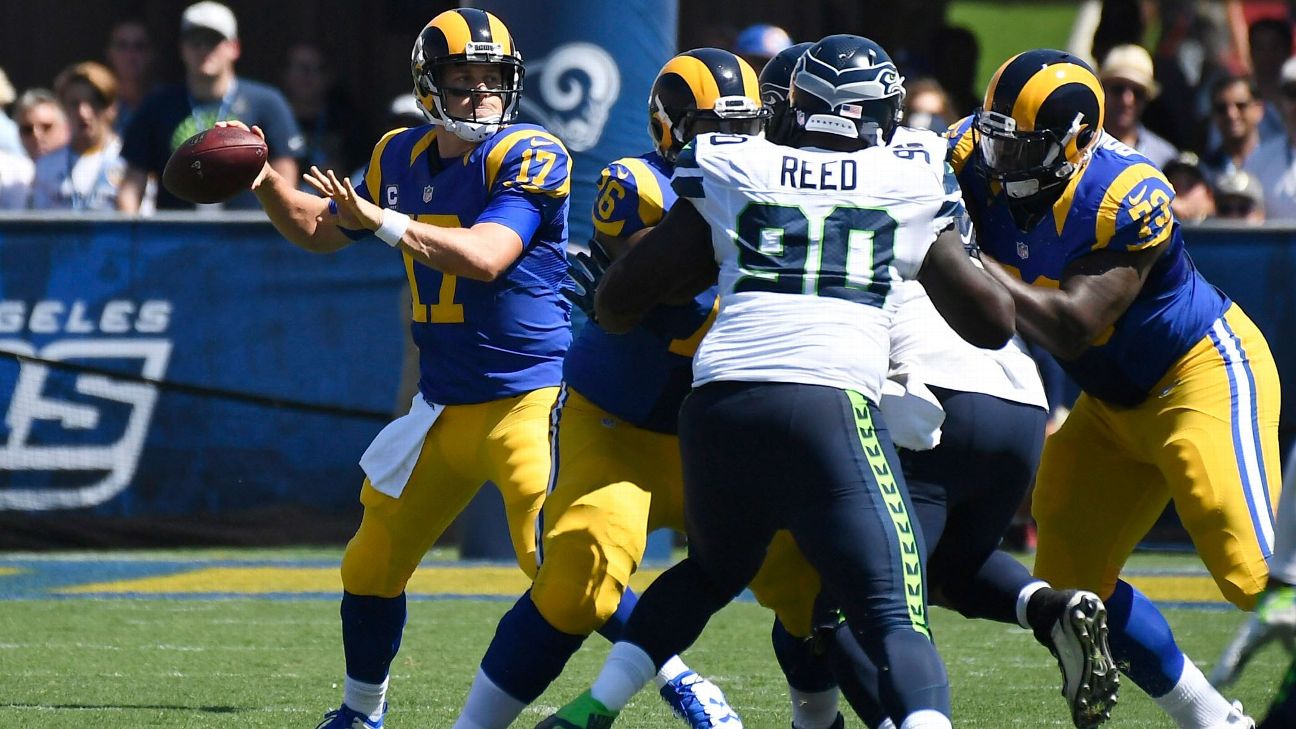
584,712
700,702
344,717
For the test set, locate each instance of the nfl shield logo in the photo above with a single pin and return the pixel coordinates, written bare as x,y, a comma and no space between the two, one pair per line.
427,194
1023,251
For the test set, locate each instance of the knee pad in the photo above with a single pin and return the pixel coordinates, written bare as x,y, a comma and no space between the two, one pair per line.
369,571
579,584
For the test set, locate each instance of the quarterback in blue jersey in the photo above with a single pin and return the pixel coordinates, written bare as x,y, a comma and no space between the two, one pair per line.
1180,392
616,462
477,207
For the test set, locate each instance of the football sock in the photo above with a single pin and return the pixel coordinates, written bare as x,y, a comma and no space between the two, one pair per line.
1141,641
366,698
886,724
926,719
804,670
1193,703
371,635
627,669
992,592
488,706
1023,600
670,670
527,653
615,624
813,709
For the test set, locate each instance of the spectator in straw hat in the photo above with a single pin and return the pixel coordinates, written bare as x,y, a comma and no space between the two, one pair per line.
1126,76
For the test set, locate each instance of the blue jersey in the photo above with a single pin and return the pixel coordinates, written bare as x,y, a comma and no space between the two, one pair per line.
1118,201
643,375
481,341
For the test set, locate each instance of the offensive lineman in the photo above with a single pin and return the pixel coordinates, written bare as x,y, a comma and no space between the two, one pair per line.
781,430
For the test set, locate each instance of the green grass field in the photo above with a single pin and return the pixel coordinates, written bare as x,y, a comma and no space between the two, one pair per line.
196,661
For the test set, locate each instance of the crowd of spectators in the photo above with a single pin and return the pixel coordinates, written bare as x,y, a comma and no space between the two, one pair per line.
99,137
1212,102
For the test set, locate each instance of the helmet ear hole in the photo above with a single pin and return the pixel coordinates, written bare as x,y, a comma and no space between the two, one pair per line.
1085,136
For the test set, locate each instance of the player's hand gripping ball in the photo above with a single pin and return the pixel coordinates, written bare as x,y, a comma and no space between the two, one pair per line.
215,165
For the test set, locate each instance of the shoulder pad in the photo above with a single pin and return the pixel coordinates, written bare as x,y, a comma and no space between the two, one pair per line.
1134,212
629,198
526,157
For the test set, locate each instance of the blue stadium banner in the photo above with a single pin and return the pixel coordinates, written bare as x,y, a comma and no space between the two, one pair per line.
590,65
276,366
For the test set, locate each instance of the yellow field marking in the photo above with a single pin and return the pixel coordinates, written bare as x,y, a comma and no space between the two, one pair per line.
476,580
7,571
488,580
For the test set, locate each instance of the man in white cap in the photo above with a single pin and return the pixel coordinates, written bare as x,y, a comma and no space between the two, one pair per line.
1274,162
209,47
1126,76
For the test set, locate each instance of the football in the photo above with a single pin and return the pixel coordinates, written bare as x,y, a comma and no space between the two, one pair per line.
214,165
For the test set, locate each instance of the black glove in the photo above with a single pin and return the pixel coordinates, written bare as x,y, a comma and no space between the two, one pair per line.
586,270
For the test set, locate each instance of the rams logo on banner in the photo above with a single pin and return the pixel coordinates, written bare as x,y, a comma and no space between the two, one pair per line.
578,84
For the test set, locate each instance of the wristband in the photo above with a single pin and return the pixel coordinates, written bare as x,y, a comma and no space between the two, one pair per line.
393,227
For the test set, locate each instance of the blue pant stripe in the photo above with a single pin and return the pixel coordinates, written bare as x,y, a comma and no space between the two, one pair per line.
555,418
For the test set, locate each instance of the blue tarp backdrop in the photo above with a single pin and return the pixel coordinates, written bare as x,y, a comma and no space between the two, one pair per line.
227,307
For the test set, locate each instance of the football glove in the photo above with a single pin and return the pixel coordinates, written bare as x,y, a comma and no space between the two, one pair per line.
1274,619
586,270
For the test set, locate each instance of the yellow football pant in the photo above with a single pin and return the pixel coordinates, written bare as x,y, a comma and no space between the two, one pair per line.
1206,437
504,441
614,483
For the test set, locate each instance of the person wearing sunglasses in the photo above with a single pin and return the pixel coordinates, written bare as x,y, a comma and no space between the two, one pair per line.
1274,162
1235,112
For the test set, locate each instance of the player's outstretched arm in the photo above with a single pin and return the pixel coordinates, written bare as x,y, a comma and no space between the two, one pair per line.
481,252
304,219
1096,290
673,261
973,304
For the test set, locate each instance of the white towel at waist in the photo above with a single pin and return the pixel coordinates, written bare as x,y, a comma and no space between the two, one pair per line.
912,413
390,458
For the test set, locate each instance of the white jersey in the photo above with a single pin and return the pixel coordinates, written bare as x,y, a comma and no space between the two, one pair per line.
924,348
809,243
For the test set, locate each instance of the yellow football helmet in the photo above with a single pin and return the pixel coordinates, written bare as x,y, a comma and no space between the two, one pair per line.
466,35
1042,117
703,90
